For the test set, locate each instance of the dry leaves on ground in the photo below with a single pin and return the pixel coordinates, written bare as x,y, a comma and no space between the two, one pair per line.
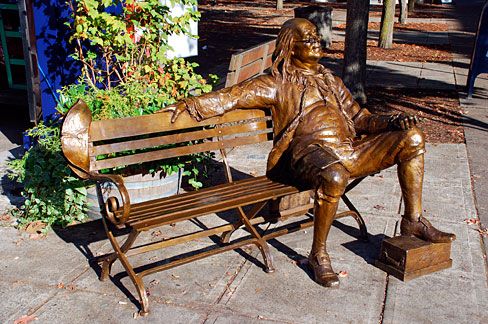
422,27
25,319
401,52
440,110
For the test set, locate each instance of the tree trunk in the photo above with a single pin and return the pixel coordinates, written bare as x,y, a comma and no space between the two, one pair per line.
354,70
279,4
411,5
403,12
387,21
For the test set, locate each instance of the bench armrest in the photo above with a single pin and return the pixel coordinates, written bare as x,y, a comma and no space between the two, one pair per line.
112,204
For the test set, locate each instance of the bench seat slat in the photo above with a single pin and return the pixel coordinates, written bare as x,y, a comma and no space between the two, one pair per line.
150,209
198,196
213,207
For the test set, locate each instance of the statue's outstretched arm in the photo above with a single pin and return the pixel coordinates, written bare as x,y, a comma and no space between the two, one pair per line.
256,93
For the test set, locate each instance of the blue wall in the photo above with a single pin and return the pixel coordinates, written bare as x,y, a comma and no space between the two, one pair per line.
56,69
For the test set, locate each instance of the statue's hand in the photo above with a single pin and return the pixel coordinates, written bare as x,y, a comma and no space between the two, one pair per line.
177,109
403,121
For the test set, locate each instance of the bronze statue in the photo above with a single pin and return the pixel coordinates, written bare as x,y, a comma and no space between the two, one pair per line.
323,137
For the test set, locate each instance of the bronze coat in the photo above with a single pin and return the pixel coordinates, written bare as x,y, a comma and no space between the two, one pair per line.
312,110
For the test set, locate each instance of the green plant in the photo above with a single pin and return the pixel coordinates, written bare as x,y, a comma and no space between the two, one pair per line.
122,46
52,194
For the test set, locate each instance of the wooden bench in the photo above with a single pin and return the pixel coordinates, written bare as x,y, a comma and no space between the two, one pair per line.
89,146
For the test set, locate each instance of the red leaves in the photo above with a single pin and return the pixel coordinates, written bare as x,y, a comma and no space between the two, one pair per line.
471,221
25,319
343,274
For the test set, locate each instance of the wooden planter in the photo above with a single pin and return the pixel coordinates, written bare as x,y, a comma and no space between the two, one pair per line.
141,188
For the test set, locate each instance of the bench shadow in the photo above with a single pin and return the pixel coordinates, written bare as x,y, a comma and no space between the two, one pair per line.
84,235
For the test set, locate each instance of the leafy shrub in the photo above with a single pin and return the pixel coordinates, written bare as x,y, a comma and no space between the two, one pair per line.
126,71
52,194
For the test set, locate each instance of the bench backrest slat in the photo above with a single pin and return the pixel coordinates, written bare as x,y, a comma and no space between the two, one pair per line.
103,130
175,138
174,152
239,127
250,63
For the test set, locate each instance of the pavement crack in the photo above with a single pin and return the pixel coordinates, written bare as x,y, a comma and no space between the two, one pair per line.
230,282
383,303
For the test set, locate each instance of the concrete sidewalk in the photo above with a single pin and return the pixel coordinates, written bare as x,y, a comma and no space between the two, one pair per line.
51,279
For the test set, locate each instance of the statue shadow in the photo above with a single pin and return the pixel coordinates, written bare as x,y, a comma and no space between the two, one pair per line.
90,238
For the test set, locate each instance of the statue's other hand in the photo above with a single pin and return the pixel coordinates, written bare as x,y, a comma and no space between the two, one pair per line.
404,121
177,109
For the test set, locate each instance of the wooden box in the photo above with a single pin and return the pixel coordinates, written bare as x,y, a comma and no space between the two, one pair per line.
407,257
292,205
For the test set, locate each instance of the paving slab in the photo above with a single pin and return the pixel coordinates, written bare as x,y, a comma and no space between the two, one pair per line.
25,259
19,298
290,294
447,185
462,288
78,306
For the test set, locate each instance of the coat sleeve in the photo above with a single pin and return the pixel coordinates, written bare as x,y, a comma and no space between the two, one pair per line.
256,93
364,121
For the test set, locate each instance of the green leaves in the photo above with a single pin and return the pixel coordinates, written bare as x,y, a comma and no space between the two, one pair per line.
52,194
122,45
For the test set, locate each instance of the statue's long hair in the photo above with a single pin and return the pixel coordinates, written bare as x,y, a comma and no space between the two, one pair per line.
285,41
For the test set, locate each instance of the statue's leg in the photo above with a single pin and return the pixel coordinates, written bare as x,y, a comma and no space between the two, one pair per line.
332,185
410,176
405,149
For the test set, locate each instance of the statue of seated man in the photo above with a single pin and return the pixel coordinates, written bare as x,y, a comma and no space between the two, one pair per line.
323,138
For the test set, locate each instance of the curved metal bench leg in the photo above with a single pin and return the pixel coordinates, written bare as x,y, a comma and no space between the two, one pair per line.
357,217
225,237
136,280
109,261
267,257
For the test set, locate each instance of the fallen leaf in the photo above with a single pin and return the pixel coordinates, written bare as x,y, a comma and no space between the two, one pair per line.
25,319
35,227
71,287
471,221
36,236
156,234
343,274
153,283
483,231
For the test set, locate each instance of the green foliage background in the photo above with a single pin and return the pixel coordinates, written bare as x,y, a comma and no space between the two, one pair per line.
123,47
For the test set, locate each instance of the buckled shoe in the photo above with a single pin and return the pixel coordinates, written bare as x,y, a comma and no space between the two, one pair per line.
424,230
322,269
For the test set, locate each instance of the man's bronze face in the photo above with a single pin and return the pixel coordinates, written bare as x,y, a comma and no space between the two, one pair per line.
307,48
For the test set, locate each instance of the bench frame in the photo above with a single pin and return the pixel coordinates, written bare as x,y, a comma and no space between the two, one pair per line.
84,141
